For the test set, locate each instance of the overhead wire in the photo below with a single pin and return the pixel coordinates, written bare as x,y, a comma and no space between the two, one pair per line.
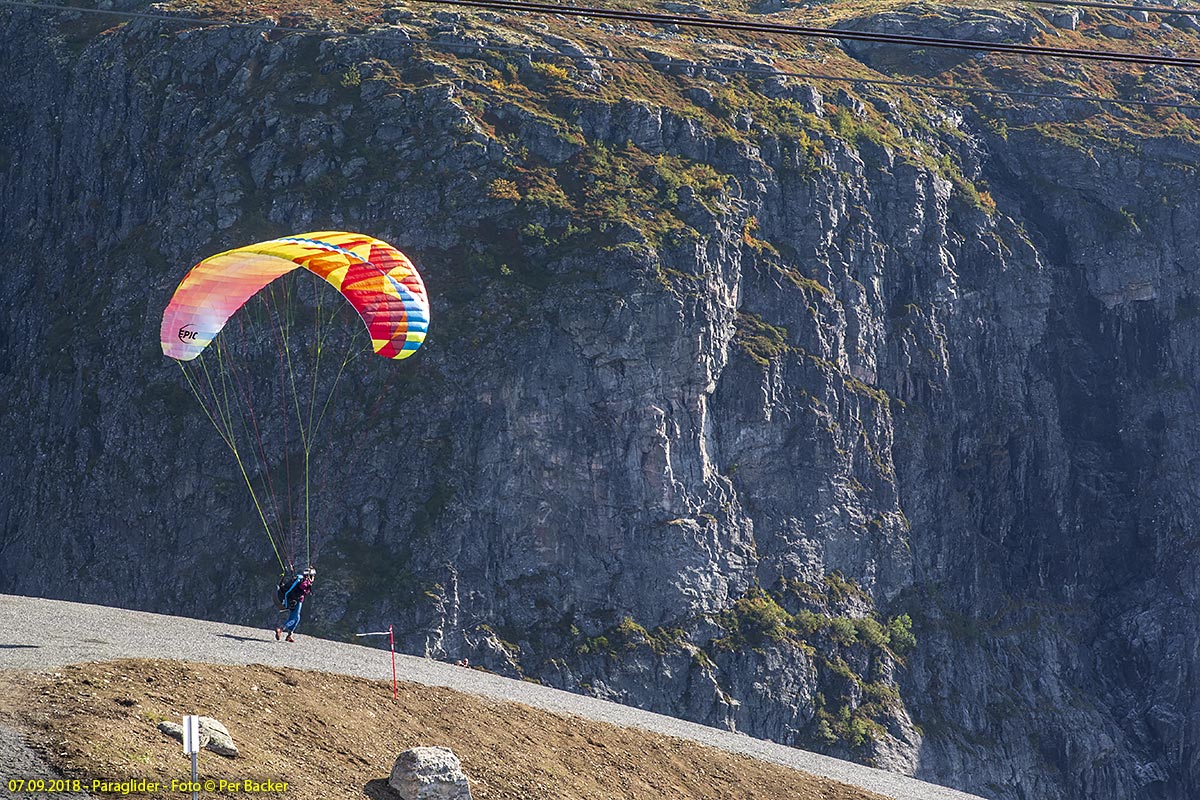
815,76
683,20
1149,9
721,68
675,19
809,31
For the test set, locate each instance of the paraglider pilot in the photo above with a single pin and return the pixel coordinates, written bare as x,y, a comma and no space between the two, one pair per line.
291,597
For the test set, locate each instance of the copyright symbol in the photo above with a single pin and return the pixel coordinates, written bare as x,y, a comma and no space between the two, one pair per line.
210,785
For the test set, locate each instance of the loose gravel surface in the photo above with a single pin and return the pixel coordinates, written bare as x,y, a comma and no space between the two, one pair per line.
41,635
18,759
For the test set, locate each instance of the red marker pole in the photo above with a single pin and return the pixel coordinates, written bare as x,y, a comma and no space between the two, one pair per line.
392,641
390,633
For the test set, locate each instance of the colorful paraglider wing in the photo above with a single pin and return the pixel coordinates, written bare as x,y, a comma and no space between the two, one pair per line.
376,278
379,281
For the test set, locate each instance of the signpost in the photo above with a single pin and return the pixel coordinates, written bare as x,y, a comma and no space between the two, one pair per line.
191,746
391,641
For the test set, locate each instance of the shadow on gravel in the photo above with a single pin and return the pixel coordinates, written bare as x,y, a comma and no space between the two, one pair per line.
243,638
378,789
19,646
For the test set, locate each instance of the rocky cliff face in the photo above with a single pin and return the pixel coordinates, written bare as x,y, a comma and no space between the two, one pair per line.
854,422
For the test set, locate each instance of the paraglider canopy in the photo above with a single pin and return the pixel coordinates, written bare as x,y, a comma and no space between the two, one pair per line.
268,419
376,278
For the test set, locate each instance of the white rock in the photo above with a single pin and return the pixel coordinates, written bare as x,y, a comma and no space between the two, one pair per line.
429,773
213,736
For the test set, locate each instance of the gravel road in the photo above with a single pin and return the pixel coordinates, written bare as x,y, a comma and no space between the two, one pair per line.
37,634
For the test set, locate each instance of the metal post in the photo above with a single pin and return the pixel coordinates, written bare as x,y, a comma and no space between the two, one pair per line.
191,745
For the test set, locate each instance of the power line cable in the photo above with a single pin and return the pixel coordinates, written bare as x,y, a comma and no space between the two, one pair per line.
684,20
701,22
1187,12
764,72
724,68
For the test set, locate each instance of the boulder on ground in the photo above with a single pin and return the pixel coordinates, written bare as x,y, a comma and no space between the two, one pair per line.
213,736
429,773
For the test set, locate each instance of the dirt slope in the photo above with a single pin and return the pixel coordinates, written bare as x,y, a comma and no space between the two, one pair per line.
333,736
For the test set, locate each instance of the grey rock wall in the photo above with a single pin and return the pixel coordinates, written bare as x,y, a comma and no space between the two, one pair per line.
693,454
